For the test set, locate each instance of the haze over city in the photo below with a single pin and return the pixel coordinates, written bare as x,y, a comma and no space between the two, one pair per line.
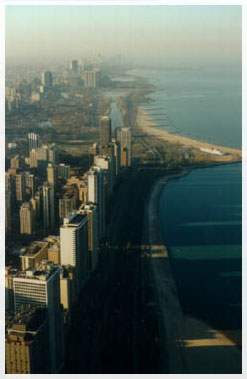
174,34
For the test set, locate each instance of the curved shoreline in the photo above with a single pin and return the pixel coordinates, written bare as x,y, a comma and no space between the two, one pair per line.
147,125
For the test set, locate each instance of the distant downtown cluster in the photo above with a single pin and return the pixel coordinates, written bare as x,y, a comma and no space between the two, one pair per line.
53,270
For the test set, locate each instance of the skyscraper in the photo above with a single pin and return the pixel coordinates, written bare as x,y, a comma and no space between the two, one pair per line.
26,218
42,288
27,349
8,212
51,174
124,137
105,131
19,186
74,66
48,206
96,194
74,246
91,78
33,141
46,79
93,236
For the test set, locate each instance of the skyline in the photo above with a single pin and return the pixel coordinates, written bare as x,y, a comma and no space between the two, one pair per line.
184,33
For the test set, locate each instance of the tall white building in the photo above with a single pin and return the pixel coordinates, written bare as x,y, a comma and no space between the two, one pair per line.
96,194
42,288
124,137
74,246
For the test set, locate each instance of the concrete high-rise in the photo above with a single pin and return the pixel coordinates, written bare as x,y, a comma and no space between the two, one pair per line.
8,212
51,174
124,137
74,246
19,187
91,78
27,348
48,206
42,288
26,218
46,79
96,194
33,141
68,203
93,236
105,132
74,66
107,164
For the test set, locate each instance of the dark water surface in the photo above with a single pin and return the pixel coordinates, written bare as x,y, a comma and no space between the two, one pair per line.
201,219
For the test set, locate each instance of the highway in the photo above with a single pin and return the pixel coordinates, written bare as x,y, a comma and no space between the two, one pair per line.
114,325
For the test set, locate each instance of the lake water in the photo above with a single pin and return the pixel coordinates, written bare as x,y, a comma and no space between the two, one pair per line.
202,103
201,220
200,214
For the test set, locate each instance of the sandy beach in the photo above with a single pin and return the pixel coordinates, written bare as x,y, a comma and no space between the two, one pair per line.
147,124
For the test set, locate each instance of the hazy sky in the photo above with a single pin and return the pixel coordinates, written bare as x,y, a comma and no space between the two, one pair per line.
193,33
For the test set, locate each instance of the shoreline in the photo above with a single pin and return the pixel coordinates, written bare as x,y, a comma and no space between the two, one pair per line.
148,126
182,334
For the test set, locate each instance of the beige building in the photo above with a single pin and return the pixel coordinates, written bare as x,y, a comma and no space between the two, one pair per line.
27,349
124,136
19,187
26,218
51,174
82,186
34,254
53,249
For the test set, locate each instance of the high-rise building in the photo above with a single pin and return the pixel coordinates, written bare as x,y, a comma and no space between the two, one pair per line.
33,255
33,141
105,131
8,212
74,66
53,249
124,137
10,273
41,288
96,195
46,79
48,206
91,78
51,174
124,157
107,164
93,236
116,147
53,154
27,349
68,203
30,183
74,246
63,171
16,162
82,186
26,218
19,187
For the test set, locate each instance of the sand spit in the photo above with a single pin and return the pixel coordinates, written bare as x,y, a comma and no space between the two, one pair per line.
147,124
